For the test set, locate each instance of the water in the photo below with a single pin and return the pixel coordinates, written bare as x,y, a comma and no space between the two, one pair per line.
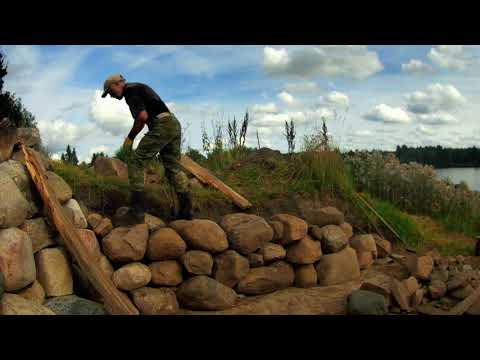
470,175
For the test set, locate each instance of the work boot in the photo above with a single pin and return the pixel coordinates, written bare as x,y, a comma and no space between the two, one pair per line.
129,216
185,202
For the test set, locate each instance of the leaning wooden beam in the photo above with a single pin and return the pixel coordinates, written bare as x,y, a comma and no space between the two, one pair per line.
116,302
207,177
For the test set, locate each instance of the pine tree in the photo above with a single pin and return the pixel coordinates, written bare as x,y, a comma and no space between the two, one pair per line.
74,159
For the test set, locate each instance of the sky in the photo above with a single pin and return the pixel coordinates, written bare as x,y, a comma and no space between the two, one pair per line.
371,97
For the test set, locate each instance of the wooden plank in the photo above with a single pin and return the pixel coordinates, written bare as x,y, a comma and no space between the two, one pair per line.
207,177
116,302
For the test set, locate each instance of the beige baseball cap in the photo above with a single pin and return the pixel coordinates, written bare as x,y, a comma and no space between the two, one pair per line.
112,79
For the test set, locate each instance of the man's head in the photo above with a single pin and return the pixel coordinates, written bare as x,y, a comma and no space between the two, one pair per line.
114,86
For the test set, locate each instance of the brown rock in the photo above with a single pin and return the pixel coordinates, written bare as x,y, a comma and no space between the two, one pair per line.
12,304
457,281
246,233
166,273
364,243
34,293
74,212
177,225
400,294
104,227
54,273
13,205
384,247
272,252
441,275
417,298
152,301
267,279
30,137
94,219
204,235
39,232
88,238
153,222
324,216
277,227
304,252
412,285
474,309
306,276
379,287
294,228
333,238
333,269
197,262
347,229
126,244
462,293
16,259
230,268
255,260
435,255
8,138
165,244
365,259
111,167
437,289
421,267
132,276
59,187
204,293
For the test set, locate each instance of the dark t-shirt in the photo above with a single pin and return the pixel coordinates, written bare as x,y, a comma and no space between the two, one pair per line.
141,97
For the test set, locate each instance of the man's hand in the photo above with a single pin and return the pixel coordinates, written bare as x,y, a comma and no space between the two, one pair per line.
127,144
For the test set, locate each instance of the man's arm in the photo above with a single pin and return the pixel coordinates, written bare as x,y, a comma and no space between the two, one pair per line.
138,124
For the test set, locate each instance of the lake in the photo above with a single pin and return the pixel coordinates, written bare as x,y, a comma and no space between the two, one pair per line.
470,175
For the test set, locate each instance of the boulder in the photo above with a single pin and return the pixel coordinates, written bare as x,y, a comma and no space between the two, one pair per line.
73,211
294,228
421,267
462,293
13,205
417,298
132,276
53,272
74,305
152,301
401,294
304,252
94,219
333,239
104,227
111,167
412,285
204,235
267,279
197,262
45,162
306,276
474,309
165,244
12,304
441,275
16,259
384,247
8,138
153,222
457,281
230,268
246,233
347,229
337,268
277,227
30,137
362,302
39,232
33,293
437,289
272,252
364,243
177,225
255,260
166,273
88,238
204,293
126,244
378,287
59,187
324,216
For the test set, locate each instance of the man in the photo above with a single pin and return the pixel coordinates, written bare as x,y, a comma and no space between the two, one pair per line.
163,137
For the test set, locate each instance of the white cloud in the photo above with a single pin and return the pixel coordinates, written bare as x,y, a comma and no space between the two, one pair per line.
451,57
287,98
301,87
111,115
272,120
351,61
362,133
440,118
321,112
58,133
425,130
265,108
437,97
100,148
336,98
389,115
415,66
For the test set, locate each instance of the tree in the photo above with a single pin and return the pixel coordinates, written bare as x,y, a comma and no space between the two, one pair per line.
95,155
70,156
290,135
74,157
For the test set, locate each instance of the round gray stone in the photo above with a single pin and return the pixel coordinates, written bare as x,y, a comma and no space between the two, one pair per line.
362,302
74,305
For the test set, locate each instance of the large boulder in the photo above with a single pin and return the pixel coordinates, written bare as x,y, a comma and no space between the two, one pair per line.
111,167
246,233
337,268
30,137
8,138
303,252
230,268
45,162
39,232
365,259
255,260
204,293
33,293
362,302
332,238
437,289
104,227
277,227
384,247
74,305
73,211
272,252
54,272
153,222
364,243
16,259
105,265
59,187
347,229
13,304
126,244
380,287
204,235
166,273
13,205
294,228
197,262
267,279
165,244
306,276
421,267
132,276
94,219
152,301
324,216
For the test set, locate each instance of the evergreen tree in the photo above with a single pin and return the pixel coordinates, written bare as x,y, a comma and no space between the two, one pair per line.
74,159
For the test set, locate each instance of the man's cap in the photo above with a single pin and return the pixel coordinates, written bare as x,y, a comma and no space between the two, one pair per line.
112,79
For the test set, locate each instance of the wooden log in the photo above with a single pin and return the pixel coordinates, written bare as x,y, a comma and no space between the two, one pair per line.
116,302
207,177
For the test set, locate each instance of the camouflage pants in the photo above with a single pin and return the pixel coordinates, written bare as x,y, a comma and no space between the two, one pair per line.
163,138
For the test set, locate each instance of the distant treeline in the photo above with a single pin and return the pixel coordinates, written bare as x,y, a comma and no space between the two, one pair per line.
440,157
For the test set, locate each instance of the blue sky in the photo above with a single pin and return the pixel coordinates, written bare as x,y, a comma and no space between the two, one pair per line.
414,95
